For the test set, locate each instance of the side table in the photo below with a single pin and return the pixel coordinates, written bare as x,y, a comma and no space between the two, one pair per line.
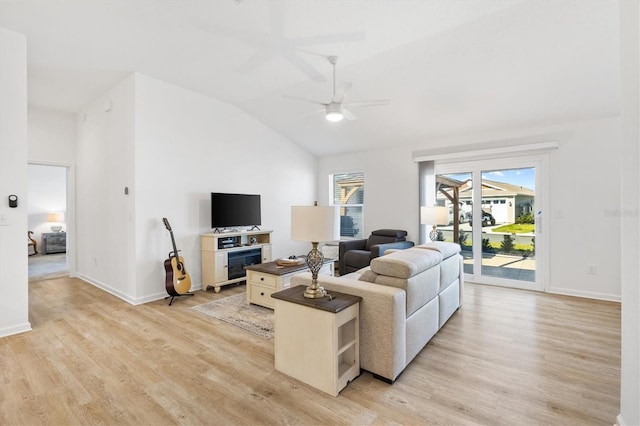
263,279
317,340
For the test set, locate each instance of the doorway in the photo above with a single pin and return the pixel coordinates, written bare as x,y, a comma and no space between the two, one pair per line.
500,205
48,218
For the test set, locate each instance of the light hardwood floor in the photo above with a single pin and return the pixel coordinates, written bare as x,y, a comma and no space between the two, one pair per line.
506,357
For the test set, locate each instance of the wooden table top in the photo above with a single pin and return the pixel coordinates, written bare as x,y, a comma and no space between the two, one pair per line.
336,303
274,269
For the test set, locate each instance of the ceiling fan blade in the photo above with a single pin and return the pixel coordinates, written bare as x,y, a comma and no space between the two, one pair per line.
341,92
302,64
379,102
348,114
295,98
330,38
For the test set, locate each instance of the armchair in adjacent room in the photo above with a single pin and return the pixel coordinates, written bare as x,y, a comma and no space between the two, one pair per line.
357,254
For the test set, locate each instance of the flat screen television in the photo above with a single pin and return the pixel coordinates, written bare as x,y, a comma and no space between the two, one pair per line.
229,210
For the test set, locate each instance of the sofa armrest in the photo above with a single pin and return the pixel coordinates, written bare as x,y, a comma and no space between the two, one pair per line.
378,250
344,246
382,322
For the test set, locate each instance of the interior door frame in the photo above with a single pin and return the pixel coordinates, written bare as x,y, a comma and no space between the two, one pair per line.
70,217
541,163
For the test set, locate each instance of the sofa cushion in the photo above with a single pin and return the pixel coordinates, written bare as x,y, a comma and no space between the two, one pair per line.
450,265
405,263
420,288
449,271
367,275
444,248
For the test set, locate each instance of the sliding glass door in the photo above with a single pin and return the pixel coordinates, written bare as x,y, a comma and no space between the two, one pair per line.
498,219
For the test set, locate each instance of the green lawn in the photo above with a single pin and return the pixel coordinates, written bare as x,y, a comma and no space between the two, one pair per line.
516,228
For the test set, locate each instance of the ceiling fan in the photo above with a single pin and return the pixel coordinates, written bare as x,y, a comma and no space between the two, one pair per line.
335,109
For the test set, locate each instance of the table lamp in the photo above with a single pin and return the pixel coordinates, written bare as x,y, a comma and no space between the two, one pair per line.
436,215
55,218
315,224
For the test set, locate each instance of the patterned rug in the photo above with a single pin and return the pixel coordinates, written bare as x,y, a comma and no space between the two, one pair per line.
235,310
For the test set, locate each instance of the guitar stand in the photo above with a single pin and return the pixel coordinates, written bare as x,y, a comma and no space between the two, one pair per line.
177,295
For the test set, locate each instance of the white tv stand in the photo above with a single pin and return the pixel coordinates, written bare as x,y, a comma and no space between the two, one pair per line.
224,256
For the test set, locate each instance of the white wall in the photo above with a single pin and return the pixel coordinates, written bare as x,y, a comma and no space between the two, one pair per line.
390,187
171,148
584,173
583,176
189,145
104,224
14,290
52,136
47,193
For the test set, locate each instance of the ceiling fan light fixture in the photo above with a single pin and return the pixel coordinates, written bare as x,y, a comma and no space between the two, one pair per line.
334,112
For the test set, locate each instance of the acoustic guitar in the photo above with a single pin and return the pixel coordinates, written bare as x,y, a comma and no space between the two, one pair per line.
178,281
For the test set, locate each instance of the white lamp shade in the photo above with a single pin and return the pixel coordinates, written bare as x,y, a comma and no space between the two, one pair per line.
315,223
435,215
55,217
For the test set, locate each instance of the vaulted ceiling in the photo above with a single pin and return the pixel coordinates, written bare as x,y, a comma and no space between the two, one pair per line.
448,67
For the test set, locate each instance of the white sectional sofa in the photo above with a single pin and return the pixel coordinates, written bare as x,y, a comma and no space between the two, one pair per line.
407,296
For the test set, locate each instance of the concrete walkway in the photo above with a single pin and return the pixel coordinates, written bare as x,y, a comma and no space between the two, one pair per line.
503,266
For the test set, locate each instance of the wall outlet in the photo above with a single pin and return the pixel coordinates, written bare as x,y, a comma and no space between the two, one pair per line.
591,269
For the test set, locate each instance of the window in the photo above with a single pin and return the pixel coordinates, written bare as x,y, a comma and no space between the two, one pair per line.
348,194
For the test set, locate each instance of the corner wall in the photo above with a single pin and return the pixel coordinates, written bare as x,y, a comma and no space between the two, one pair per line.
188,145
104,214
14,286
171,147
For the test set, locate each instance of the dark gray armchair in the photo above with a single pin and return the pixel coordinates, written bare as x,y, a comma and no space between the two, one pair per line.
357,254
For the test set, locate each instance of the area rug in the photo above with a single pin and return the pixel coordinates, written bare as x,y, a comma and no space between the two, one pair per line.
235,310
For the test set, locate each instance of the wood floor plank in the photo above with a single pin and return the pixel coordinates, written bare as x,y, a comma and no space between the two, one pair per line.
506,357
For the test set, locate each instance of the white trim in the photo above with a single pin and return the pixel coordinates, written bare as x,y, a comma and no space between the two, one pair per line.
70,179
541,163
620,421
460,154
16,329
585,294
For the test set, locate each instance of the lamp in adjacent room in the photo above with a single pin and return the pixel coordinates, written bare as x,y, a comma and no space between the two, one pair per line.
315,224
436,215
56,219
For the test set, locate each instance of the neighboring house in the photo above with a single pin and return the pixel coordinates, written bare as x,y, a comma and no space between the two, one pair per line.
504,201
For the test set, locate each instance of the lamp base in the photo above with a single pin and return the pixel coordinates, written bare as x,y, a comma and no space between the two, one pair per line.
314,262
56,228
315,293
433,235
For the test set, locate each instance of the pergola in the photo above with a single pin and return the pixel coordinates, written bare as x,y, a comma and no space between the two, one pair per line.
453,195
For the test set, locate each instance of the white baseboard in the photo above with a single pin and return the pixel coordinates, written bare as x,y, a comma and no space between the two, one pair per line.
16,329
125,297
620,421
585,294
110,290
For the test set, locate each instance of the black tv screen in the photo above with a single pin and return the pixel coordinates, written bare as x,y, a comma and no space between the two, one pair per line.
229,210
